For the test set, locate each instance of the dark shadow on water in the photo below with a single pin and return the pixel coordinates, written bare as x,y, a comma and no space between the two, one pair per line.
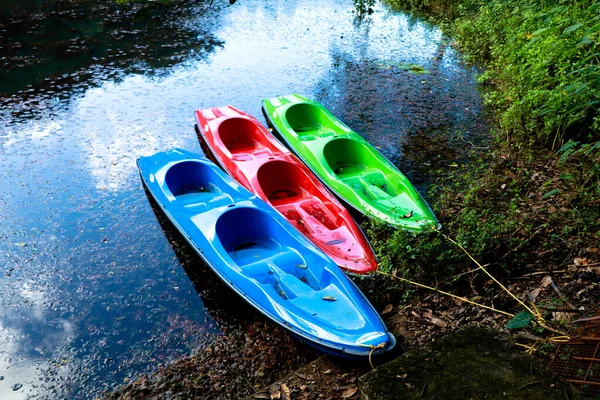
222,304
53,49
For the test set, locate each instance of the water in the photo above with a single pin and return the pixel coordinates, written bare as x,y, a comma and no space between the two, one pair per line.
92,292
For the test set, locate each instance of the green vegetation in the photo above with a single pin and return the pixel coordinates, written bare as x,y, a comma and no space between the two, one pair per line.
534,202
544,57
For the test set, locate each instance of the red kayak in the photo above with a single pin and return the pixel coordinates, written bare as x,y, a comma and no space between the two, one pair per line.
251,154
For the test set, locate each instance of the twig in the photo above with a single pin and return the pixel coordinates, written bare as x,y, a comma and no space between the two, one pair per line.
586,319
566,310
541,273
468,272
248,383
584,382
559,293
586,359
549,328
529,384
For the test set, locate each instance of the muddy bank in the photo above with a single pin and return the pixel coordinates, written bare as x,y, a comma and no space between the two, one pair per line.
473,363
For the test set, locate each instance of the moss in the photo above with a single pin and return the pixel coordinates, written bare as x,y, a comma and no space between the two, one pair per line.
473,363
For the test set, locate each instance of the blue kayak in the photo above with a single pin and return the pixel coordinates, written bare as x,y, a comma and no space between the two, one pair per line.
262,257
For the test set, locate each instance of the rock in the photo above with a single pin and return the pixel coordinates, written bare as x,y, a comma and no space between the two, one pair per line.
472,363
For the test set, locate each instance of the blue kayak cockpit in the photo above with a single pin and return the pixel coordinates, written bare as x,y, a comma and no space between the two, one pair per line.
196,186
265,251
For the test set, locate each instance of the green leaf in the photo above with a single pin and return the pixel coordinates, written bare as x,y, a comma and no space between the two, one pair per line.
581,87
568,145
573,28
521,320
540,31
550,194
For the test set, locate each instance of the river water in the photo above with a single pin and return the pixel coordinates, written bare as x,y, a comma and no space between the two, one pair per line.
92,292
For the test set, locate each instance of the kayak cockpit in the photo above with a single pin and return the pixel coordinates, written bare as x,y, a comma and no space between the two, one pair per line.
243,138
293,194
353,163
195,185
309,122
248,236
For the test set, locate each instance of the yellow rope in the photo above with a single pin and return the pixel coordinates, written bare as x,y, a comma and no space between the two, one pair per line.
445,293
373,348
536,313
530,349
560,339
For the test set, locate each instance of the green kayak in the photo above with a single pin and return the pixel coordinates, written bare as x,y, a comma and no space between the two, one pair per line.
347,164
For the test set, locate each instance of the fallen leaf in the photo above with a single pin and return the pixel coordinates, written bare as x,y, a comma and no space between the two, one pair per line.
580,261
562,316
547,281
329,298
408,215
305,377
21,244
327,371
285,391
532,296
438,322
387,309
276,394
351,391
301,266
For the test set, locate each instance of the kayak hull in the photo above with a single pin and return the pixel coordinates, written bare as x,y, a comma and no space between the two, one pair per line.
245,149
347,164
260,256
